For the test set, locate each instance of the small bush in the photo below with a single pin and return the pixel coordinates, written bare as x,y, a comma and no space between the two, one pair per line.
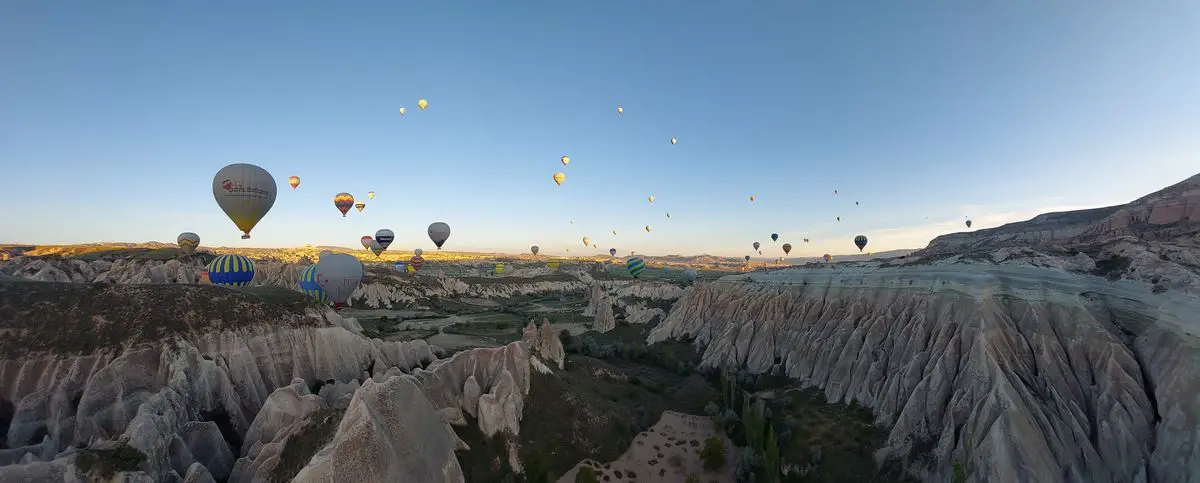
713,454
586,475
692,478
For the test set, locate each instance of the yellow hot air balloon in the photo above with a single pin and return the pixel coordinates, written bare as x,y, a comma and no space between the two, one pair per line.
422,104
620,110
402,111
294,181
673,141
559,177
566,160
651,198
614,232
360,205
647,228
751,197
371,194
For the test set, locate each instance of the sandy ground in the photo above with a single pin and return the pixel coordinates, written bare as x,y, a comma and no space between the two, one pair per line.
653,451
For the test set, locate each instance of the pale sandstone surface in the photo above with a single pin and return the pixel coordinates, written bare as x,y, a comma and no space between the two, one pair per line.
1025,373
672,435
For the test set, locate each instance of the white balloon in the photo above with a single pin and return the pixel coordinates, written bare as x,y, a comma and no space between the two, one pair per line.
245,193
439,232
338,275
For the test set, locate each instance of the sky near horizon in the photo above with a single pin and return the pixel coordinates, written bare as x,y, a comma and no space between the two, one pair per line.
114,117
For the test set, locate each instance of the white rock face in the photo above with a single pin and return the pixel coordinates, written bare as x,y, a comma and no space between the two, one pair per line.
543,340
1019,372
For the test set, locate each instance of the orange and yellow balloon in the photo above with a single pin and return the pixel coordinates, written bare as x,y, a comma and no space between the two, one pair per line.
294,181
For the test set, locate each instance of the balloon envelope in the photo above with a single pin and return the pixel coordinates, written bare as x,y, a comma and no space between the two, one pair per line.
787,248
827,257
587,241
439,232
566,160
338,275
422,103
366,241
416,262
231,270
308,284
612,252
245,193
376,248
559,178
343,202
774,237
418,252
534,249
860,242
635,266
371,195
756,245
499,269
188,242
294,181
690,274
384,236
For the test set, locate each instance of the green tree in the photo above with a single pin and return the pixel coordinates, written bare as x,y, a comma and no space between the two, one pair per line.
586,475
771,464
713,454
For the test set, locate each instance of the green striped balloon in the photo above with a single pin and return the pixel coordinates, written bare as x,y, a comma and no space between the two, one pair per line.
635,266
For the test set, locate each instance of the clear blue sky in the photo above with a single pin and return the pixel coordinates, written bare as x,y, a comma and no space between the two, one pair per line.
114,117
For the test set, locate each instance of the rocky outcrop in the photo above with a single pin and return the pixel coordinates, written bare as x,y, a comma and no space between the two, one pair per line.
543,341
1171,213
1020,373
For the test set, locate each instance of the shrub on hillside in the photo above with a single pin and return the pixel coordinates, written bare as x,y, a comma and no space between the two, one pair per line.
713,454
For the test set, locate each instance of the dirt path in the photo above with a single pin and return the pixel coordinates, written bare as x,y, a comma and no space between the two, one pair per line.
667,452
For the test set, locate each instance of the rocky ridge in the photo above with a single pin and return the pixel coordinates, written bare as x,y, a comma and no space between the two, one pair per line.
1020,372
193,402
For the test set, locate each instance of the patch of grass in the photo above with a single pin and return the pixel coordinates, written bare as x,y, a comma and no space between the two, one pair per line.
1112,267
107,462
318,431
71,318
551,277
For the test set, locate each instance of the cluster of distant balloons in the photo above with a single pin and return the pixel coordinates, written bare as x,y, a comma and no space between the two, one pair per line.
246,193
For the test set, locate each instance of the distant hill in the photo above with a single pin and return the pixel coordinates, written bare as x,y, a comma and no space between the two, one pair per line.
1165,214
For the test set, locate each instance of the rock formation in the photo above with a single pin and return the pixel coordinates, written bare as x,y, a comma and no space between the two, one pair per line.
1021,373
543,341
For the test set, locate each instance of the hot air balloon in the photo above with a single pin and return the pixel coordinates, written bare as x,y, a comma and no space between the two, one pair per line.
870,254
360,205
612,252
338,275
416,262
620,110
376,248
559,178
747,258
402,111
787,248
553,264
805,240
774,237
366,241
614,232
308,284
188,242
400,266
835,192
231,270
566,160
690,274
409,268
245,193
499,270
647,228
828,258
651,198
422,103
418,252
343,202
635,266
855,203
371,195
587,241
752,198
839,218
668,215
294,181
968,224
439,232
756,245
673,141
760,252
534,249
385,237
860,242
